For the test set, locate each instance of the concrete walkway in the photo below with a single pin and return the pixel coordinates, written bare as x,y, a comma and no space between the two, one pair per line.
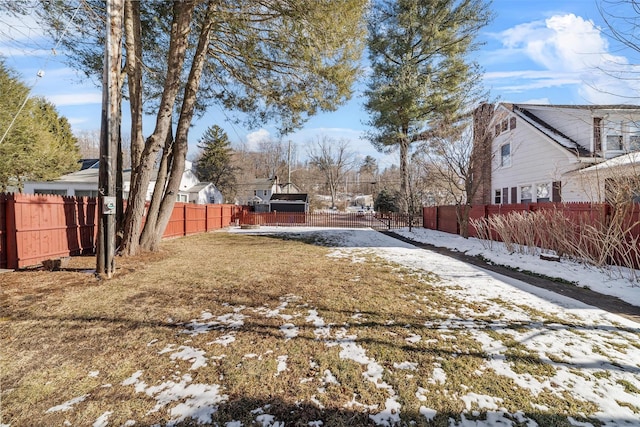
605,302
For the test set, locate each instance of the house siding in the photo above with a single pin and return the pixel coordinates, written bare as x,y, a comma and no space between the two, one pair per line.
527,165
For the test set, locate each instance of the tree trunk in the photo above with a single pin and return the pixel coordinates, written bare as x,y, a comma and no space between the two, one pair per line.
141,172
158,191
133,46
404,173
182,133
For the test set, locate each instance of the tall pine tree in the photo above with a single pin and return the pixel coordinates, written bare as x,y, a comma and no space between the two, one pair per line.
421,74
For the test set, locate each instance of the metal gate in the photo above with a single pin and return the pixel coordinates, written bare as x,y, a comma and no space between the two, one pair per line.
332,219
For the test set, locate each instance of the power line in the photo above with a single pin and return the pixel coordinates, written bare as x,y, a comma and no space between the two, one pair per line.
40,74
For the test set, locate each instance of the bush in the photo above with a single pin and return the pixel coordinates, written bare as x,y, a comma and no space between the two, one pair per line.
601,242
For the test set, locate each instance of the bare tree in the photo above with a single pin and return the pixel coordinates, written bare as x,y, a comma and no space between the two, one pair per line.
334,160
367,175
89,143
621,25
272,156
459,156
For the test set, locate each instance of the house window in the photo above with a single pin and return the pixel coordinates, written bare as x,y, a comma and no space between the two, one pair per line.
597,134
497,130
614,137
614,142
505,155
543,192
525,194
505,125
183,198
512,123
634,137
497,198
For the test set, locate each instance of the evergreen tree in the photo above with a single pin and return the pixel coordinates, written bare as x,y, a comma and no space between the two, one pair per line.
37,143
386,202
420,72
214,163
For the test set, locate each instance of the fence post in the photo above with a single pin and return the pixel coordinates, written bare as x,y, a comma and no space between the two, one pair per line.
12,241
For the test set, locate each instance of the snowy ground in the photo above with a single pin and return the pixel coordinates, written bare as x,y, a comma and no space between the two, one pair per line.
594,355
614,281
592,376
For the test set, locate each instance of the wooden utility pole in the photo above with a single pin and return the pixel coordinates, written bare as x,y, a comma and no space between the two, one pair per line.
109,137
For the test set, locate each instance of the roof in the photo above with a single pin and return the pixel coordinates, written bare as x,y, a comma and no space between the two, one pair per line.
199,186
629,159
89,163
549,131
92,175
590,107
290,197
262,184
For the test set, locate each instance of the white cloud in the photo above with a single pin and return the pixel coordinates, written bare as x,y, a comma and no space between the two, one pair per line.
571,51
255,138
524,80
76,121
83,98
564,43
538,101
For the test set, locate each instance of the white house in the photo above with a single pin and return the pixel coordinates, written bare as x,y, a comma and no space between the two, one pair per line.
85,183
204,193
557,153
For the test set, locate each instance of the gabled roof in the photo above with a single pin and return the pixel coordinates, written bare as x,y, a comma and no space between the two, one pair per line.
262,184
592,107
549,131
199,186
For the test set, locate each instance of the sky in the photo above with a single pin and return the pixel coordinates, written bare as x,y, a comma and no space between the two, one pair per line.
590,352
544,51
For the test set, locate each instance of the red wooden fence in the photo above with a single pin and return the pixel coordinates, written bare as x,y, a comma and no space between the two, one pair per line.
444,218
34,228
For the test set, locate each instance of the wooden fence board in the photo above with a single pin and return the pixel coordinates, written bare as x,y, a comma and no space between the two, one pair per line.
35,228
3,230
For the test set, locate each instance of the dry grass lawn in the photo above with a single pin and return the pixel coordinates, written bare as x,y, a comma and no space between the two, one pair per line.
228,330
